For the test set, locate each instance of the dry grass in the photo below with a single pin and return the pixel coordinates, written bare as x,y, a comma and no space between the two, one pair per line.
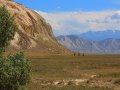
55,67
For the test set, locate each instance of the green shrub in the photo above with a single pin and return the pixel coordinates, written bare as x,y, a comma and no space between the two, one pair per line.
14,72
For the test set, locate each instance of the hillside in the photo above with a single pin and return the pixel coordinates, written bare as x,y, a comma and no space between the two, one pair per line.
110,45
77,44
34,33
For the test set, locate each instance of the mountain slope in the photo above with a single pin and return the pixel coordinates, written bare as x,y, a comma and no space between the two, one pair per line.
34,33
110,45
101,35
77,44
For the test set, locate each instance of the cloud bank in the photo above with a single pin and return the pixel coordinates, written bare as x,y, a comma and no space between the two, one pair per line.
64,23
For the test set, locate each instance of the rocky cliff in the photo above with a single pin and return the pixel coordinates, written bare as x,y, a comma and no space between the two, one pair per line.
34,33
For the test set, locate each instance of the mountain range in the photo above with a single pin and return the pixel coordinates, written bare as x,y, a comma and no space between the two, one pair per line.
100,35
78,44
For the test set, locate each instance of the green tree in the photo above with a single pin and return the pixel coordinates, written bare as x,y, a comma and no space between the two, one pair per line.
15,70
7,28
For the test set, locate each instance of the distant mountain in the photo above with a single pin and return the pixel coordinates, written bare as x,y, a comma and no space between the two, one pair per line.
77,44
110,45
101,35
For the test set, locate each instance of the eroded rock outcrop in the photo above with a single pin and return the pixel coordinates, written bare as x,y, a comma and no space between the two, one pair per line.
34,32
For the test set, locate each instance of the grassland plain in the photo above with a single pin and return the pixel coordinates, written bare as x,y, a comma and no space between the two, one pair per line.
89,72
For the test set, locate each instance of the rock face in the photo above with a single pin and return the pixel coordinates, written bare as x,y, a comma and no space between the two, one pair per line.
34,33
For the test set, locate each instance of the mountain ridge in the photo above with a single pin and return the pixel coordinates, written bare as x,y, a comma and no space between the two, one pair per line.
77,44
100,35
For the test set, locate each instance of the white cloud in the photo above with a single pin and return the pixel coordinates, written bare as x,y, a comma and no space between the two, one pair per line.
79,22
58,7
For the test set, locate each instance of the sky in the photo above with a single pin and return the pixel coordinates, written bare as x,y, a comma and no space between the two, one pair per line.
71,5
77,16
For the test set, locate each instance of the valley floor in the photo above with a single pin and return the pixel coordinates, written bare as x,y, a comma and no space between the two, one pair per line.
89,72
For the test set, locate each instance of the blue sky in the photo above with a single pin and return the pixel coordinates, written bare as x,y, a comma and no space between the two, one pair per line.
71,5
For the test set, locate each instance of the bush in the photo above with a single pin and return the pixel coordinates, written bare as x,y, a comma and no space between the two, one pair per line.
14,72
